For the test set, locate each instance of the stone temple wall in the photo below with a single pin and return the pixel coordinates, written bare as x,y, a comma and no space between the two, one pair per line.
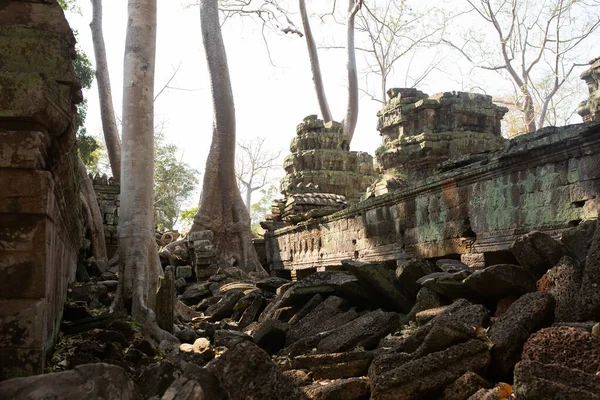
40,228
471,209
107,193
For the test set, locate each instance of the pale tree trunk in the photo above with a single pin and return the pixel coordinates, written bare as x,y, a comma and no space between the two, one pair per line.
248,198
314,64
352,108
139,267
92,213
107,112
221,208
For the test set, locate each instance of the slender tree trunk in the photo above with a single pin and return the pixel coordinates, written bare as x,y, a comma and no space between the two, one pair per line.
352,108
93,215
314,64
248,198
221,208
528,111
139,265
107,112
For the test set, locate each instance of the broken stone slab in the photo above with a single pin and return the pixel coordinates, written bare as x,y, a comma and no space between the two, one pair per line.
270,335
229,338
578,240
343,389
224,307
563,282
271,284
383,287
86,324
307,308
538,251
184,313
426,299
156,378
251,313
207,380
241,286
509,333
184,389
501,280
444,333
89,381
449,285
245,371
465,386
451,266
185,272
570,347
326,316
364,331
299,376
200,235
165,302
537,381
336,365
342,284
428,376
409,272
195,293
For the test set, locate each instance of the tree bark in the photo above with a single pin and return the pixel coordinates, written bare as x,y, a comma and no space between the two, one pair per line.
92,213
139,265
314,64
352,108
221,207
107,112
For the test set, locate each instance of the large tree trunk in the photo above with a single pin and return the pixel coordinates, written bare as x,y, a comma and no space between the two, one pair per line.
139,265
352,108
221,208
107,112
92,213
314,64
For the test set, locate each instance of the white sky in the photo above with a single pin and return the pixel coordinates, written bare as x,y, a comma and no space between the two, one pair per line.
270,101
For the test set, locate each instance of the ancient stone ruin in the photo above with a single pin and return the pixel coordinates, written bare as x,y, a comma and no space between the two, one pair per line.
469,270
107,193
590,109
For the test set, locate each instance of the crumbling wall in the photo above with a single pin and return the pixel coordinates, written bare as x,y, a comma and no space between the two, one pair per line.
107,193
40,228
472,208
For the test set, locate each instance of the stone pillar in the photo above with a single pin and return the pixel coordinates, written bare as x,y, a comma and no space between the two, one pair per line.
107,193
165,301
590,109
40,226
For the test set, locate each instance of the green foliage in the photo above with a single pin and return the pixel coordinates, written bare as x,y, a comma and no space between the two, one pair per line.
83,69
262,207
187,216
174,182
70,5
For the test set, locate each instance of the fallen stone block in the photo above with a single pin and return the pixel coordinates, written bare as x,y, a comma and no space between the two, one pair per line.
335,366
538,252
344,389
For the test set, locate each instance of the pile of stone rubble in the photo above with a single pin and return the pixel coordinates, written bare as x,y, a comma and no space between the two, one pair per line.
421,330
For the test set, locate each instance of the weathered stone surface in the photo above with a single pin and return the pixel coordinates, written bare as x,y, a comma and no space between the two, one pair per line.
364,331
590,286
224,308
383,286
156,378
270,335
207,380
328,315
299,376
429,375
251,313
590,108
229,338
525,316
410,271
579,239
426,299
247,372
307,308
89,381
451,266
336,365
501,280
563,282
537,381
184,389
538,251
569,347
195,293
449,285
444,333
344,389
271,284
467,313
341,284
465,386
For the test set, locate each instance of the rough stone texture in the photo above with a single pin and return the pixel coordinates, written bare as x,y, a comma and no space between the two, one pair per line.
344,389
336,365
427,377
270,335
247,372
207,380
465,386
525,316
590,286
184,389
537,381
411,270
563,282
538,251
579,239
501,280
89,381
364,331
381,281
426,299
107,193
543,181
590,109
569,347
40,232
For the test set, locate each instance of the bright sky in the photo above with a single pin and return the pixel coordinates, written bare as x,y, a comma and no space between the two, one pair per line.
270,101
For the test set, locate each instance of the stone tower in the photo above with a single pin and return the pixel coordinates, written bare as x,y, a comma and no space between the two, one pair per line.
590,109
